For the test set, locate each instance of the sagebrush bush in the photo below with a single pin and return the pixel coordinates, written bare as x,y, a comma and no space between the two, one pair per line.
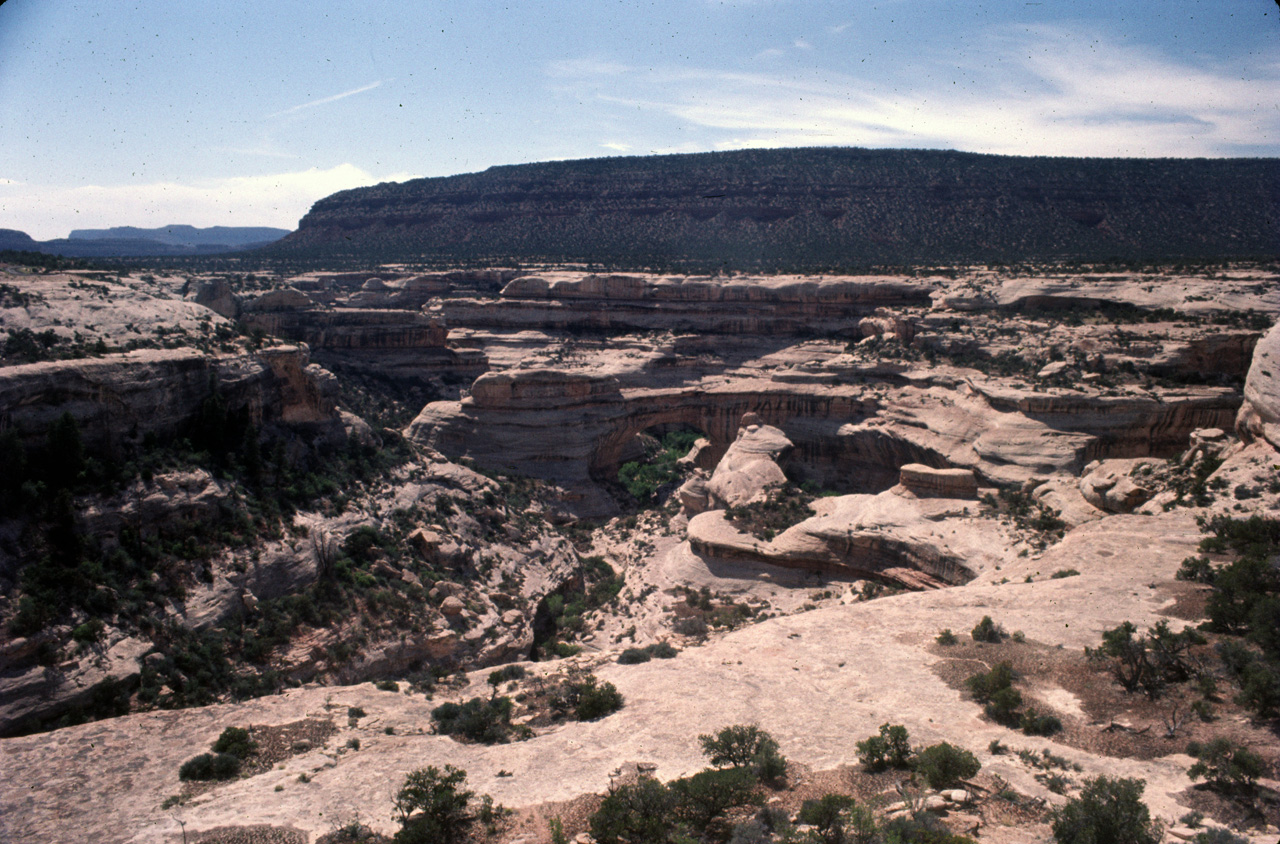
890,749
987,630
944,765
237,742
209,766
1108,811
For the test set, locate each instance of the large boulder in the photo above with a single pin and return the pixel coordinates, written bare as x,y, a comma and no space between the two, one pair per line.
1120,486
751,465
1259,417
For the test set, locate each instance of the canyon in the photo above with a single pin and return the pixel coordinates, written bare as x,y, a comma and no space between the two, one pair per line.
875,459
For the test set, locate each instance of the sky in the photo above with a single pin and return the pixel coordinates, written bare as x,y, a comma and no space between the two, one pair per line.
151,113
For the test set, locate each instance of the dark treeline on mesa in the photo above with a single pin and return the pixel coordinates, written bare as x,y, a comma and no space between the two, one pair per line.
814,209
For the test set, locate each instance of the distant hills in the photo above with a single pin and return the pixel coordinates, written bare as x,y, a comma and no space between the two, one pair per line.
133,242
808,209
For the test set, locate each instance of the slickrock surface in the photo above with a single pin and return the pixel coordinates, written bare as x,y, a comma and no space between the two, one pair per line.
818,681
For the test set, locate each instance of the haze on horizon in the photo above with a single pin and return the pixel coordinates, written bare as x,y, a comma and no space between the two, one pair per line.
150,113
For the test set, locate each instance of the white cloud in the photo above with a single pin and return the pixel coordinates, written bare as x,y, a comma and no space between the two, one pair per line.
279,199
1046,91
617,146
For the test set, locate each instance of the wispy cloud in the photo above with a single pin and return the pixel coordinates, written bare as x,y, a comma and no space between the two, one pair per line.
326,100
1046,91
277,199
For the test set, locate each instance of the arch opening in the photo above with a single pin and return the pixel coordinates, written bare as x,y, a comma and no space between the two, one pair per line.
655,461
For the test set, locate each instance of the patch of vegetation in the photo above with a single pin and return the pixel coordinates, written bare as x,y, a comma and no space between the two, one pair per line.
891,748
209,766
1107,811
634,656
944,765
479,720
1148,662
745,746
645,479
987,630
702,610
561,615
433,807
696,807
1041,523
1226,766
783,507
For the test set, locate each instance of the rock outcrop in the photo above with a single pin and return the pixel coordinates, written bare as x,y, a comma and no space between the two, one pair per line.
389,343
1259,416
120,399
751,465
758,305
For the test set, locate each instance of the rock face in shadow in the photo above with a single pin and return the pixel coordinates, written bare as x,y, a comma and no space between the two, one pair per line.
120,399
386,342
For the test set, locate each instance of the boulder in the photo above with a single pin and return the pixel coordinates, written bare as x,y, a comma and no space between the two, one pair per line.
1259,416
1120,486
750,467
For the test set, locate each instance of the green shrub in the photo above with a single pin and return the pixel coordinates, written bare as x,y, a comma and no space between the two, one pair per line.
944,765
387,686
1108,811
890,749
639,813
485,721
433,808
1061,573
1229,767
987,630
745,746
827,816
702,800
1196,570
985,684
596,700
1035,724
1260,688
634,656
946,637
237,742
924,828
208,766
1003,706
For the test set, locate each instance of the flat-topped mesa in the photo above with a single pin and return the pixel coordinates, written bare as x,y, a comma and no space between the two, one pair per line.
120,399
732,305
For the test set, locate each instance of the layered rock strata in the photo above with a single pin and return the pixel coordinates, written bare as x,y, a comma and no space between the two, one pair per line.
120,399
760,306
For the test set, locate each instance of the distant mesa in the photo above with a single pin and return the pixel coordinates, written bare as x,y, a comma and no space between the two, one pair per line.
133,242
808,210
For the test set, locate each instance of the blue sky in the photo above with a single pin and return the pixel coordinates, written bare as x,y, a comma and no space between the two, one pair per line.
151,112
